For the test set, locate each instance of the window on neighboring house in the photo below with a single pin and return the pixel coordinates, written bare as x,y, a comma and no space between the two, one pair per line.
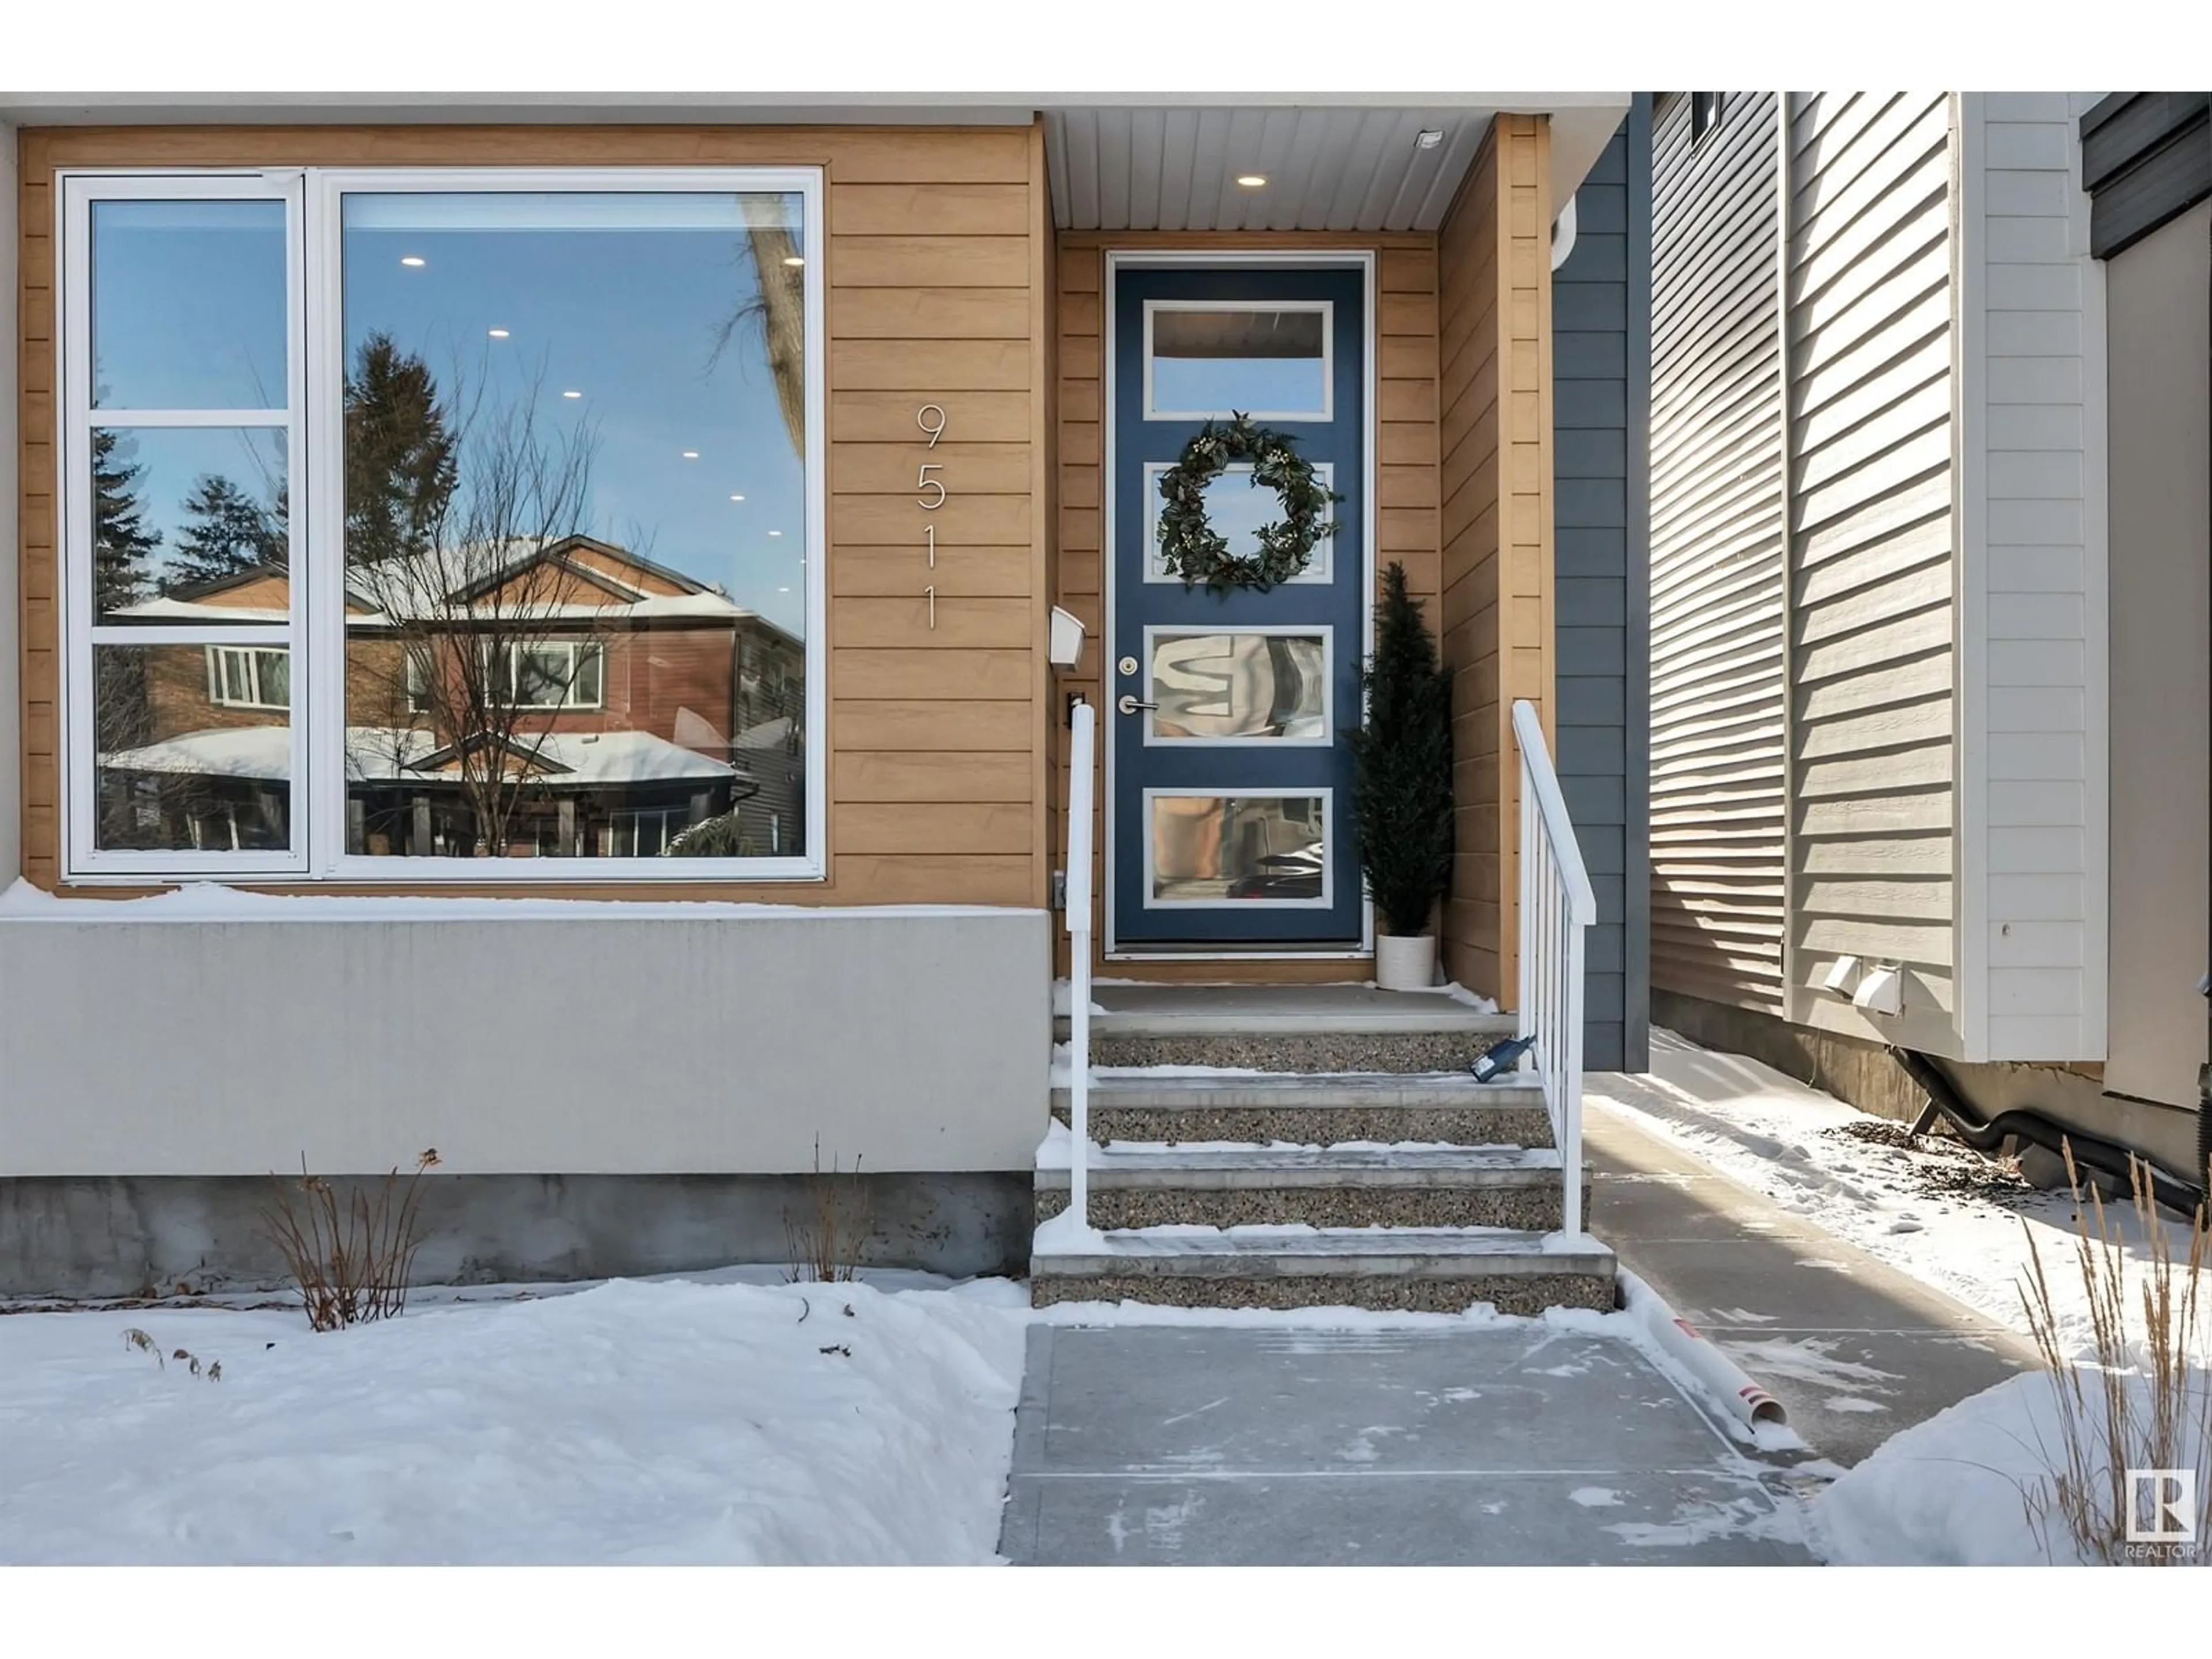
549,674
1704,113
243,677
525,378
418,684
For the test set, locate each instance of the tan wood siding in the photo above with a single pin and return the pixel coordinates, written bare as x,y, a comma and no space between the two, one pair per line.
1406,461
936,247
1717,831
1872,527
1494,436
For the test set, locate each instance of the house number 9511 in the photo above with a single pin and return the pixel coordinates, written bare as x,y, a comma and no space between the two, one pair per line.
930,492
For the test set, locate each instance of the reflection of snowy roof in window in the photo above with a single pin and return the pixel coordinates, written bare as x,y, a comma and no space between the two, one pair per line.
391,755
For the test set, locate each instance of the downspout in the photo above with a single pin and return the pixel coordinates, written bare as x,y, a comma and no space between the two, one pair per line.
2109,1157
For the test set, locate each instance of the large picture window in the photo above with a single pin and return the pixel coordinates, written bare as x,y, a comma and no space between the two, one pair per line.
424,522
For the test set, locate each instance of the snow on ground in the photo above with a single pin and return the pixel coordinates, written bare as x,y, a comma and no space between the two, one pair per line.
1954,1491
670,1421
1943,1213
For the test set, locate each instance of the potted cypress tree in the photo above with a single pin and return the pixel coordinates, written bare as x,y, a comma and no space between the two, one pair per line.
1401,788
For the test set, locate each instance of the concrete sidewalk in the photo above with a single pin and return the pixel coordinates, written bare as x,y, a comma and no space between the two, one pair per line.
1514,1444
1854,1349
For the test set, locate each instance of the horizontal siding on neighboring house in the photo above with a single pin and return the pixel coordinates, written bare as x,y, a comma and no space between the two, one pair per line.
2031,852
1872,760
1716,846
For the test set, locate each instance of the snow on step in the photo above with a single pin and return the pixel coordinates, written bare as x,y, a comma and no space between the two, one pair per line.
1229,1163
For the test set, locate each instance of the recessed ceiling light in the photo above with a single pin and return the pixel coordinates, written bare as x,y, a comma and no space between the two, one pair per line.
497,333
794,259
737,498
1428,139
690,454
775,533
410,259
572,394
1252,181
783,590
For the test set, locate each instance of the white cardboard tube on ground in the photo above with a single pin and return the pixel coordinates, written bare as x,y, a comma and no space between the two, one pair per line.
1683,1342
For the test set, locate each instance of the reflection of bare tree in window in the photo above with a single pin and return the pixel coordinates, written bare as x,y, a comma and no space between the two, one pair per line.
777,308
472,631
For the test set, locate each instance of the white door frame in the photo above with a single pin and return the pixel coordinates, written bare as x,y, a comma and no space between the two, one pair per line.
1364,261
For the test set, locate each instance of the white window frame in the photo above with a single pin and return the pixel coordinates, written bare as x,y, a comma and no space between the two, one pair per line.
218,692
570,701
1327,411
315,633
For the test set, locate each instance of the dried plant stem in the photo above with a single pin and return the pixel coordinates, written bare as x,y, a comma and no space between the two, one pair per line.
825,1243
352,1258
2135,1401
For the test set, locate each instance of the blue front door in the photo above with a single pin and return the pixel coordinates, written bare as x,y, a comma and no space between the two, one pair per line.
1230,797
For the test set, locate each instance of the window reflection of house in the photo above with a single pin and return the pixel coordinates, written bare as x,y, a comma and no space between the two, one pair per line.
634,702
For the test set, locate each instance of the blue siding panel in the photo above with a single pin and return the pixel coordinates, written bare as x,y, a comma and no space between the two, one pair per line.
1600,366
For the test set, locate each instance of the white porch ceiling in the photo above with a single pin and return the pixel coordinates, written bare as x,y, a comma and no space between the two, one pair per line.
1336,165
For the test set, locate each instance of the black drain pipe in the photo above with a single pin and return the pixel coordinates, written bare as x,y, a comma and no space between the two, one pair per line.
2090,1151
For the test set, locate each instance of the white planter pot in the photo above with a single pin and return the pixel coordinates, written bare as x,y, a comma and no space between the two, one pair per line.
1405,964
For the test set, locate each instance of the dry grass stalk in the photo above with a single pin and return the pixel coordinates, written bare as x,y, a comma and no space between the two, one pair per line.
2137,1401
825,1244
353,1258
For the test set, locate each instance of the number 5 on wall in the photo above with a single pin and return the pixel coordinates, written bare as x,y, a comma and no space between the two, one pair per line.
925,482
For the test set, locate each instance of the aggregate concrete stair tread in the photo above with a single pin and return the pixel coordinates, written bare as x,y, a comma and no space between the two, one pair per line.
1311,1107
1163,1164
1439,1269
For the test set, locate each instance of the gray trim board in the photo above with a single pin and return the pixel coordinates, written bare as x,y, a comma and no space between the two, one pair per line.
2146,160
1636,658
1601,310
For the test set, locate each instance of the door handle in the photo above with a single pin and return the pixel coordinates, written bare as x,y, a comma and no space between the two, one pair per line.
1130,705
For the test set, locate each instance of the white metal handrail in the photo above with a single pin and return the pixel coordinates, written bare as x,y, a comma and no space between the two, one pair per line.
1082,770
1557,908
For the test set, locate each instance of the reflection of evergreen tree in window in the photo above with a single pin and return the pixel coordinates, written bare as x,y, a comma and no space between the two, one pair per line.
121,542
400,466
228,532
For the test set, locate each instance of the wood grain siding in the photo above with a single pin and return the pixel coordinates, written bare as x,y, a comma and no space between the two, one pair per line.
1406,468
1716,584
937,240
2033,790
1494,436
1872,760
1600,361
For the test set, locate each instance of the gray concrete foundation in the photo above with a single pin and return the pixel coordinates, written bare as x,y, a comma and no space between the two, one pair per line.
84,1238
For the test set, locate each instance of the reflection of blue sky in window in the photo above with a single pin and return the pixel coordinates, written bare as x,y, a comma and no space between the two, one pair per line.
1221,386
188,306
620,297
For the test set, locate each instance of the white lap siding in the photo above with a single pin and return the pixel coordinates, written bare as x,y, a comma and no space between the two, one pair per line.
1872,541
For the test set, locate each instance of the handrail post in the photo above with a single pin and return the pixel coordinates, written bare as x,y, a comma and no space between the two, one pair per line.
1082,720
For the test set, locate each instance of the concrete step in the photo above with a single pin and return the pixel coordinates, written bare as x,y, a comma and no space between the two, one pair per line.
1135,1185
1311,1109
1287,1028
1420,1269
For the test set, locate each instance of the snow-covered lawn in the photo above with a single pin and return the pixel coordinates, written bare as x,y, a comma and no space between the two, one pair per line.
1942,1212
1954,1491
630,1422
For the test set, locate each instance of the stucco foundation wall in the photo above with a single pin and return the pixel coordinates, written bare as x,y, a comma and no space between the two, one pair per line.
615,1040
119,1235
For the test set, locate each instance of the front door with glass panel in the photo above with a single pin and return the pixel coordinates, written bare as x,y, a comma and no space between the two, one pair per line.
1225,712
